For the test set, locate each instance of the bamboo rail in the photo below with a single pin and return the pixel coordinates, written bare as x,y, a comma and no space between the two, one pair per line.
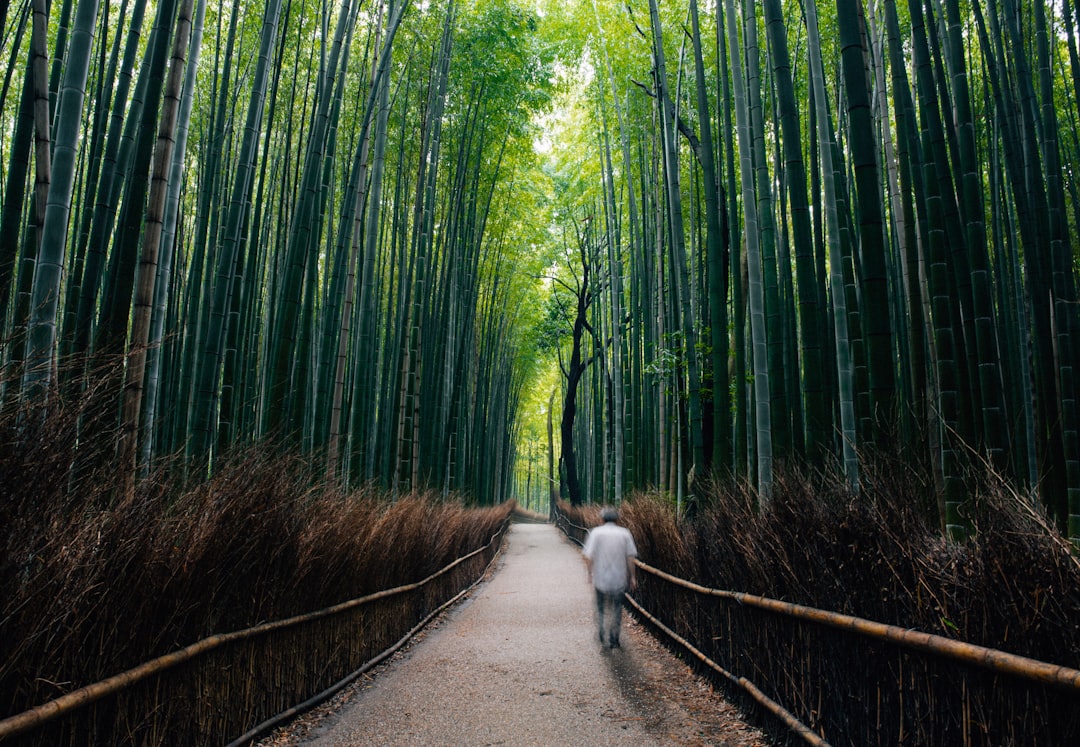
560,518
786,716
1023,672
968,653
804,731
53,709
263,728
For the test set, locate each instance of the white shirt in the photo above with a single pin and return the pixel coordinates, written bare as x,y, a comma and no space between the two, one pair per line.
608,548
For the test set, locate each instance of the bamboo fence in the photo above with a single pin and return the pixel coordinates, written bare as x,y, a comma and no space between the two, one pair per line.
233,683
826,675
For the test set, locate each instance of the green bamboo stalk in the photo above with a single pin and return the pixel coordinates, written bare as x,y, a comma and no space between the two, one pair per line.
811,320
59,58
356,252
733,240
48,274
720,456
908,156
1062,281
18,167
148,260
941,292
285,404
873,281
164,282
995,433
687,323
114,161
758,327
116,299
767,239
42,165
203,426
115,79
844,363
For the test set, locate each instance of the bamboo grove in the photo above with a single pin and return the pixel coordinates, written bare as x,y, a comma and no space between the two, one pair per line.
287,220
825,232
749,234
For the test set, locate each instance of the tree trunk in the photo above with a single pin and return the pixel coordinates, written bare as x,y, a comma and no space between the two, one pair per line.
763,411
49,270
148,261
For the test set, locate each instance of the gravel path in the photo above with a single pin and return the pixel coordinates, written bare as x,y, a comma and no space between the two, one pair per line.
518,663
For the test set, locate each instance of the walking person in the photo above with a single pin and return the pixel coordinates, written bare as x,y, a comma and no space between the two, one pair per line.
609,557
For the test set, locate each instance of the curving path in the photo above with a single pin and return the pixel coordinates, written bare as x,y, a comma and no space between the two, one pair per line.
518,663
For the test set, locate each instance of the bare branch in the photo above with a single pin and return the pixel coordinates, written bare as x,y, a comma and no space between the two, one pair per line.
648,91
630,12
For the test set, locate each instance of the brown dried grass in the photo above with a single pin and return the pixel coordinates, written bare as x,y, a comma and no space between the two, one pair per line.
91,586
1014,586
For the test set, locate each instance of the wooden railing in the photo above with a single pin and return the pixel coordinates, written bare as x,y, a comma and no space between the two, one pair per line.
908,687
243,682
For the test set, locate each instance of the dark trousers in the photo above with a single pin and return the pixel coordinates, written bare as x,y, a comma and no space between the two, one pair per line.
609,616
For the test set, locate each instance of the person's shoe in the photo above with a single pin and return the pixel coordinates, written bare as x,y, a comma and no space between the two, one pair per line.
614,643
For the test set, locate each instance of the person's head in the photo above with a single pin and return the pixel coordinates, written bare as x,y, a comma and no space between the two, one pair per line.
609,515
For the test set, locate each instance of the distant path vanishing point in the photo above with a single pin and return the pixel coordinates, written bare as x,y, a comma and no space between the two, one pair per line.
518,663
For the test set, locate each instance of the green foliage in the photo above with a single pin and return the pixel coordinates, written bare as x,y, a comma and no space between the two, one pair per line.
501,52
553,326
551,115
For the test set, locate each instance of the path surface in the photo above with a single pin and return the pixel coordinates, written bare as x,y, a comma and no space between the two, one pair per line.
519,664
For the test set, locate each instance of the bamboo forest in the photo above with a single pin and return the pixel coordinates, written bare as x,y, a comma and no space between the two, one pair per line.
403,237
301,300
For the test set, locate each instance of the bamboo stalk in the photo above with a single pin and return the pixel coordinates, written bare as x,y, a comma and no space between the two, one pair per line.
968,653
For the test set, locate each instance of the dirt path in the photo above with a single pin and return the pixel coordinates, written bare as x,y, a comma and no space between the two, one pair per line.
519,664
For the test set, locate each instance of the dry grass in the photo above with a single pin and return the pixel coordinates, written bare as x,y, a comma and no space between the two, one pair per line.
877,557
91,587
1014,586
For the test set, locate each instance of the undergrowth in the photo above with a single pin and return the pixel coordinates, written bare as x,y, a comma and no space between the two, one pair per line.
1014,585
91,586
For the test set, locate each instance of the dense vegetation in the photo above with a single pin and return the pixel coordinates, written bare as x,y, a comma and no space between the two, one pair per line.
1015,587
291,220
771,233
92,588
472,247
825,232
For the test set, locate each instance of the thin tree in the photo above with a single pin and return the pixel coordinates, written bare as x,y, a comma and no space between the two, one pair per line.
584,292
148,260
48,273
762,405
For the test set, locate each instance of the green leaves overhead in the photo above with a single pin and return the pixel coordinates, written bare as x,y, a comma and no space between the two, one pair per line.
903,168
295,177
371,193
